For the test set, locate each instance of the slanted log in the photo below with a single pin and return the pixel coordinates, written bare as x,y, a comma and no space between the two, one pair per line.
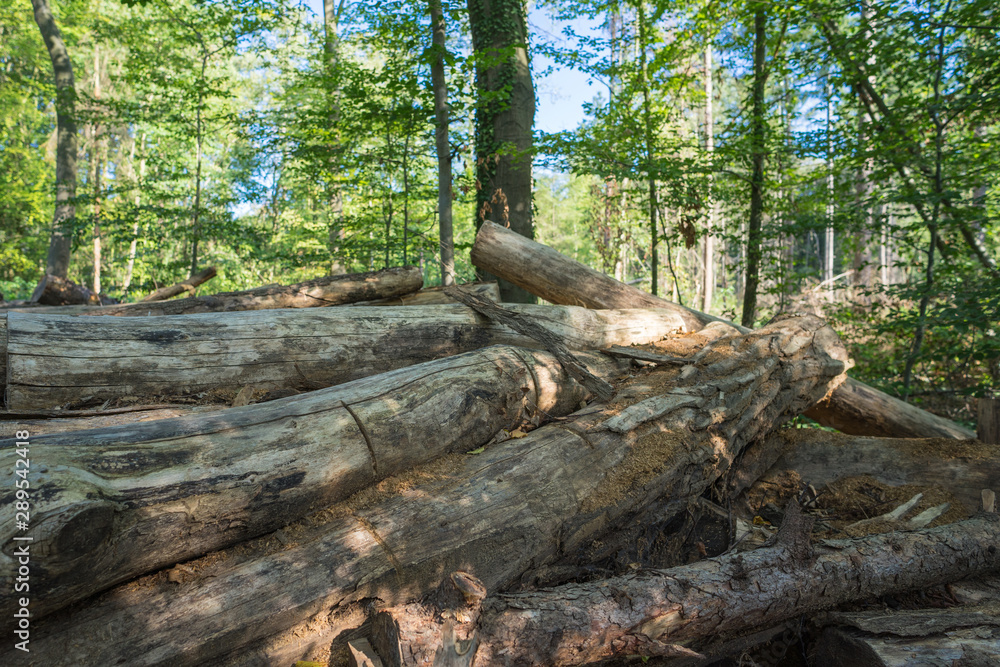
57,360
820,458
674,612
961,636
516,505
855,408
187,285
55,291
118,502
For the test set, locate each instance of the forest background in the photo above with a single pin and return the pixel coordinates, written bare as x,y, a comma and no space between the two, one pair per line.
739,157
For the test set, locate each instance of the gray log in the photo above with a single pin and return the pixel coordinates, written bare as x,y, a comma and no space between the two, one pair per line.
325,291
57,360
110,504
517,505
853,408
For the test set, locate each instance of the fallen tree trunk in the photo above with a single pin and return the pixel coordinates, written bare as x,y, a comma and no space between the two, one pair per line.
57,360
122,501
326,291
55,291
187,285
517,505
968,636
854,408
963,467
670,612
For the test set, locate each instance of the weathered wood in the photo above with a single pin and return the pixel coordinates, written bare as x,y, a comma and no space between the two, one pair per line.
187,285
121,501
988,420
669,612
853,408
963,467
528,327
961,636
57,360
857,409
325,291
515,506
55,291
430,296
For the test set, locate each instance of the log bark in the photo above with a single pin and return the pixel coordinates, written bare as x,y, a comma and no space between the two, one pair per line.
855,408
55,291
961,637
183,286
59,360
430,296
496,514
326,291
963,467
669,612
122,501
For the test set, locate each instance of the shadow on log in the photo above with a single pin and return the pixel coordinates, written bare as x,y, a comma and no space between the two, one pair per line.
118,502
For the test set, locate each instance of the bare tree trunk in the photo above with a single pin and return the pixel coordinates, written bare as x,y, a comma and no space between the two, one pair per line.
758,149
96,160
442,144
57,263
505,116
130,264
708,249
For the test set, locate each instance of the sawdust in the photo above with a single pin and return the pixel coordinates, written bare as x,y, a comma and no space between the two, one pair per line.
651,453
854,499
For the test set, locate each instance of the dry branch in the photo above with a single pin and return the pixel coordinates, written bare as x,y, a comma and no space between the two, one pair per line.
854,408
517,505
58,360
122,501
187,285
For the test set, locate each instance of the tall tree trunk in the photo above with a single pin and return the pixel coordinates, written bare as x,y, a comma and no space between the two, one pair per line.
446,233
96,159
196,224
332,11
829,234
708,247
130,265
650,145
505,115
863,275
57,263
758,138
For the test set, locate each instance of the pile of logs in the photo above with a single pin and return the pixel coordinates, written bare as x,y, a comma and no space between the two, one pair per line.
430,477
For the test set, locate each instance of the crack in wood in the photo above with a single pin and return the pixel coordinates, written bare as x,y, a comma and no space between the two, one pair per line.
365,435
